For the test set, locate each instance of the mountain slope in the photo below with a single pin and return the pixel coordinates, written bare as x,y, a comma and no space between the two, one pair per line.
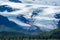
29,18
6,25
16,1
5,21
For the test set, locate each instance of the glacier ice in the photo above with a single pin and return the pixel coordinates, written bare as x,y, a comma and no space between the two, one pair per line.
31,15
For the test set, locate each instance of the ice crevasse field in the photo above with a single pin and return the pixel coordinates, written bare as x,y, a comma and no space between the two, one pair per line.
30,15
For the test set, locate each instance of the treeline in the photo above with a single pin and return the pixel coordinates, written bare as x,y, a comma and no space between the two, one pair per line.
54,34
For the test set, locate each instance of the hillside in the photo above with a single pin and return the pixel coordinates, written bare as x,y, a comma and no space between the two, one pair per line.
37,35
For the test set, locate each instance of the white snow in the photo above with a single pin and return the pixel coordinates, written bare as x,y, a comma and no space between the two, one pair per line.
47,14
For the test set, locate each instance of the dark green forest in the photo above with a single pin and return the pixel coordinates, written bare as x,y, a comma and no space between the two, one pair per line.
14,35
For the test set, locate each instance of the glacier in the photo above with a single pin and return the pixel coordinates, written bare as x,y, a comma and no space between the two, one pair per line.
31,15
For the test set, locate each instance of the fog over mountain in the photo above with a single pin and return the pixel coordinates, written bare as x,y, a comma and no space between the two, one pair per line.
31,15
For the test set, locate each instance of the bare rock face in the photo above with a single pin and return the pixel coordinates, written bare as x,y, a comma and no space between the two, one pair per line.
17,1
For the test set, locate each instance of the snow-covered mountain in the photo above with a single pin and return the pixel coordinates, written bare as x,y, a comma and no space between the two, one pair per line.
28,16
43,2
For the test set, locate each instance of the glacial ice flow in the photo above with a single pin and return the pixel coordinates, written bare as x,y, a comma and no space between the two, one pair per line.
41,16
